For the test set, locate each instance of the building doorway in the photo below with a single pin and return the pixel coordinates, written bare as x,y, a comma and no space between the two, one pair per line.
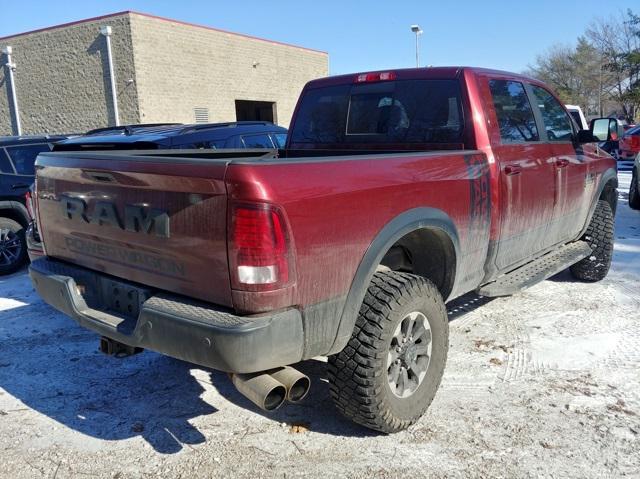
256,111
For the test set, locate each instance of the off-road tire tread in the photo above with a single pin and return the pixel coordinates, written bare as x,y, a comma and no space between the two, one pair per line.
599,235
352,371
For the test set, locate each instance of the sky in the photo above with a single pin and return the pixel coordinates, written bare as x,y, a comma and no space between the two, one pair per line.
359,35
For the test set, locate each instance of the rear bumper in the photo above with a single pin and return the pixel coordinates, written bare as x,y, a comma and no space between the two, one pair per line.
193,331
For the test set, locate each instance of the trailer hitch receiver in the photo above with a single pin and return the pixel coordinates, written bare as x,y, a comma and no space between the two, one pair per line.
111,347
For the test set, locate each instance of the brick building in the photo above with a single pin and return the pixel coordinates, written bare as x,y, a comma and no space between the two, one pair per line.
165,71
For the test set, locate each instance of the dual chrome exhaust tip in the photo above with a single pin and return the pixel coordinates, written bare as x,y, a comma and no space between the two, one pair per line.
270,389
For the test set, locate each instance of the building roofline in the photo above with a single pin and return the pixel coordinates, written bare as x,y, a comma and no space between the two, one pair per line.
68,24
156,17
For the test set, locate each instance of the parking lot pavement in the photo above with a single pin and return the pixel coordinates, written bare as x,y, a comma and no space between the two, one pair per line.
625,165
544,383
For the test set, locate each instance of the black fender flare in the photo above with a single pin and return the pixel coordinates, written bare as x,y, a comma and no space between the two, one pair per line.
607,176
18,208
401,225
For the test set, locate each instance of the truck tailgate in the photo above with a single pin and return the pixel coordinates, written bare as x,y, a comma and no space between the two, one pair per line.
154,222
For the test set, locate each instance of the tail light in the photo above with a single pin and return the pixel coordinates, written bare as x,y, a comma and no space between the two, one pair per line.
259,247
635,142
28,200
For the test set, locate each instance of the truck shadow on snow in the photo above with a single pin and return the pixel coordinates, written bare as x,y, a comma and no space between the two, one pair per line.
60,373
52,366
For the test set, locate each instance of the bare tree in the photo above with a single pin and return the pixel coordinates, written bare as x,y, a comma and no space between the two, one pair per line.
602,72
575,73
618,41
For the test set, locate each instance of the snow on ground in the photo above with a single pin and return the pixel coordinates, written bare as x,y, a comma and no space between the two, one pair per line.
627,258
544,383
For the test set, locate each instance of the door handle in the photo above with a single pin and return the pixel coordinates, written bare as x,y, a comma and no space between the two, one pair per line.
19,186
561,163
512,170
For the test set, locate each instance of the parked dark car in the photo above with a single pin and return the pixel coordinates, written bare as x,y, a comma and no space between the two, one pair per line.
241,134
17,157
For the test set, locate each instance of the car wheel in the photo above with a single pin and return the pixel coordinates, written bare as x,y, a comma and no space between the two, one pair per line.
599,235
13,246
389,372
634,191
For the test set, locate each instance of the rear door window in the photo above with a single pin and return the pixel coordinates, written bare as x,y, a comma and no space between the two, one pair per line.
557,123
402,111
257,141
513,110
280,139
24,157
217,144
5,164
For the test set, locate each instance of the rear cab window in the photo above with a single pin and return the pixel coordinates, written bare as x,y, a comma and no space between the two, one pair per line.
513,111
24,157
388,112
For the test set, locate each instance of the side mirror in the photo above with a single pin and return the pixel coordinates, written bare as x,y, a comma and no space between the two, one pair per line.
604,129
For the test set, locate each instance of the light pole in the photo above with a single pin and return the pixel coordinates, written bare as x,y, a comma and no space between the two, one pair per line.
418,31
106,32
11,67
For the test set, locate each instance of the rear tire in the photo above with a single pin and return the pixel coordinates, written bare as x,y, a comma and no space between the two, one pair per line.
599,235
367,378
13,246
634,191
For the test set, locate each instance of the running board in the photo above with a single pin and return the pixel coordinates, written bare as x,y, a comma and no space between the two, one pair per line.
537,270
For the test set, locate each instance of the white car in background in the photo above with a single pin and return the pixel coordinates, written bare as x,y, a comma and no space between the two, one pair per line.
578,116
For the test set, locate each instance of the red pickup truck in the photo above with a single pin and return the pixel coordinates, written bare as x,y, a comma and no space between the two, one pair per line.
397,192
